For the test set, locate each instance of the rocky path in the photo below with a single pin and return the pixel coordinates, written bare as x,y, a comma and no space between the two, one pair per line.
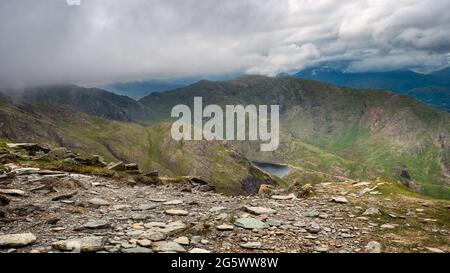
45,211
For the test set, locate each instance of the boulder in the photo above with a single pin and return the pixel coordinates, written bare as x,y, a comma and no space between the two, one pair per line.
32,148
57,154
94,161
17,240
86,244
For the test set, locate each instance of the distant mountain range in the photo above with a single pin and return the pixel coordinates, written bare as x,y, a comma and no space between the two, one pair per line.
139,89
142,88
327,132
432,88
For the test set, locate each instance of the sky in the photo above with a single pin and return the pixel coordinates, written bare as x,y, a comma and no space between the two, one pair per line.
102,41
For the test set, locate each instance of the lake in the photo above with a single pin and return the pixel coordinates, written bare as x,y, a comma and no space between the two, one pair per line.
275,169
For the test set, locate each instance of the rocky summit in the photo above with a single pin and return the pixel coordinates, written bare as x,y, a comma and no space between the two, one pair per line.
79,212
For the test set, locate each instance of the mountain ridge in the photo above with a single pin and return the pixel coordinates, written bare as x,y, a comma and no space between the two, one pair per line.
382,131
398,81
340,132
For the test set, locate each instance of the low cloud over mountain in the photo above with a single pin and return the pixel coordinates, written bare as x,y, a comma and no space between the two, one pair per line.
110,41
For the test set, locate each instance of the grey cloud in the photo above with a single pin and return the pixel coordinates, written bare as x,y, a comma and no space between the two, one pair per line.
116,40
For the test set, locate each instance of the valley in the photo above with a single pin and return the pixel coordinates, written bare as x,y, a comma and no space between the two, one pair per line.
326,132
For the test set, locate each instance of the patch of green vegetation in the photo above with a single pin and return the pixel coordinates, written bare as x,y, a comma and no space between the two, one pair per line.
436,191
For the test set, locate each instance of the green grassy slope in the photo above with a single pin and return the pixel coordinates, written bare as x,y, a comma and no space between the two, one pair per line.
152,148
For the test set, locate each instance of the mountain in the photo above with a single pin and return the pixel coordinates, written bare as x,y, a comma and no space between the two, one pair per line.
92,101
142,88
139,89
398,81
57,125
328,132
442,76
433,95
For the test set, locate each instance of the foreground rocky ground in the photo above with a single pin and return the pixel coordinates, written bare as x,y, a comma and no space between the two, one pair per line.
48,211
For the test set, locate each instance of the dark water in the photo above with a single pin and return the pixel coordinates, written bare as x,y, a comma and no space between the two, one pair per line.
275,169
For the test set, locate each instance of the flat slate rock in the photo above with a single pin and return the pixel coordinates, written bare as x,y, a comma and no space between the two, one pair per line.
157,200
97,224
371,211
177,212
147,206
154,236
340,200
137,250
260,210
252,245
225,227
13,192
98,202
173,228
167,247
284,197
199,251
173,203
250,223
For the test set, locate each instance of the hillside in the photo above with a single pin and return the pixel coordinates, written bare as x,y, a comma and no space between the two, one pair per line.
337,131
152,148
92,101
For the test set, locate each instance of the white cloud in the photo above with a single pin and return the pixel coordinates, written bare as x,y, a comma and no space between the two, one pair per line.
115,40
